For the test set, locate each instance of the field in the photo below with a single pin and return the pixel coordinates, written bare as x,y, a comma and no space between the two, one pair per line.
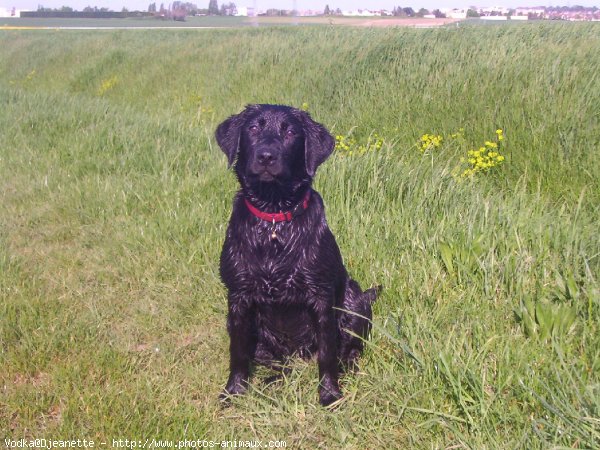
132,22
217,22
114,199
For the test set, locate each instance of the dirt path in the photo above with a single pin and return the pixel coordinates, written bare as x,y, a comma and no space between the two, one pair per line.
417,22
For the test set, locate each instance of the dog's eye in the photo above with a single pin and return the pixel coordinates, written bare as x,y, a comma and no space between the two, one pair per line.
290,133
253,128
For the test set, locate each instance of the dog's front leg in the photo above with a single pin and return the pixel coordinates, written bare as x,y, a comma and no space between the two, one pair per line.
240,320
329,389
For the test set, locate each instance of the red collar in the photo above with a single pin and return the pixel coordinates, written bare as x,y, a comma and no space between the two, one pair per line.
280,216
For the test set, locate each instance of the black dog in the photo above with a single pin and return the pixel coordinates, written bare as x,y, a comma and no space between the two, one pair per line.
289,292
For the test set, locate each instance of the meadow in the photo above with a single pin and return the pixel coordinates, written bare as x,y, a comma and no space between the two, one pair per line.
114,199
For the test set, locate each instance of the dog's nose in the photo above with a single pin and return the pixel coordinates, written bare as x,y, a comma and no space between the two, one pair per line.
266,158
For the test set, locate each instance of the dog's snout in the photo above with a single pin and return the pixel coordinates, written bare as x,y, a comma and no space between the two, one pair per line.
266,157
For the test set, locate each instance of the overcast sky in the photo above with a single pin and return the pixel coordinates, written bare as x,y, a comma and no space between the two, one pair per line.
117,5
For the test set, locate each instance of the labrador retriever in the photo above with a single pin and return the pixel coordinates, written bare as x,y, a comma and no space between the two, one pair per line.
288,290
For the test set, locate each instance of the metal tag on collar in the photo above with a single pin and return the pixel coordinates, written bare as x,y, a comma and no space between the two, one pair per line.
273,234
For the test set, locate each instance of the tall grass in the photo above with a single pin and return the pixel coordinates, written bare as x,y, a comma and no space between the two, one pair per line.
115,200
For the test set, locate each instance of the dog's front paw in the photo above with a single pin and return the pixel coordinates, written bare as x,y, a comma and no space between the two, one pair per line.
328,395
236,385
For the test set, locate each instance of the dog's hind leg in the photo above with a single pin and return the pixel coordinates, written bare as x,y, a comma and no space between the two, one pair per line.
354,322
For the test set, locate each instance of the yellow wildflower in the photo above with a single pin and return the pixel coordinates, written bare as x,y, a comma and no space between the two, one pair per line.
430,141
107,85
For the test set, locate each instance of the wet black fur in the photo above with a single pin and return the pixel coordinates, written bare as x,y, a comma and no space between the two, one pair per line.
288,295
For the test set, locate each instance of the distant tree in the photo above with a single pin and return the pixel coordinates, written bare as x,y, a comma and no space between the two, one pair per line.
472,13
213,8
179,10
422,12
327,11
438,14
178,14
228,9
408,12
66,9
188,8
152,7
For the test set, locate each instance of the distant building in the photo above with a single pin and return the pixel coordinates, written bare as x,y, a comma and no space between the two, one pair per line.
309,12
247,11
10,12
538,12
361,13
455,13
493,11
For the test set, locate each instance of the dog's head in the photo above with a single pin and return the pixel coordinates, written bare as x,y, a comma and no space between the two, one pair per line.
274,145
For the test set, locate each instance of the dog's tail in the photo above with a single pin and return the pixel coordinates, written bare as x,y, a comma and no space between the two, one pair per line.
371,294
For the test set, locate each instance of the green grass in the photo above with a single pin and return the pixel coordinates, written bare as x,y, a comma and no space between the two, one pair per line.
114,199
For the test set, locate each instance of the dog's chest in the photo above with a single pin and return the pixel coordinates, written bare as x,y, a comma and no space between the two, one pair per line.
270,269
278,273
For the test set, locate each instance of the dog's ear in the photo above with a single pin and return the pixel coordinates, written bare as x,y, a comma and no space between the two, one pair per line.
228,133
318,143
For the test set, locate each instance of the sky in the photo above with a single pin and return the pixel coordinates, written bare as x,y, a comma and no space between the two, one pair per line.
117,5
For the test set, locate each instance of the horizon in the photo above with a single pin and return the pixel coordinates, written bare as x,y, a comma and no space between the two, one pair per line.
315,5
